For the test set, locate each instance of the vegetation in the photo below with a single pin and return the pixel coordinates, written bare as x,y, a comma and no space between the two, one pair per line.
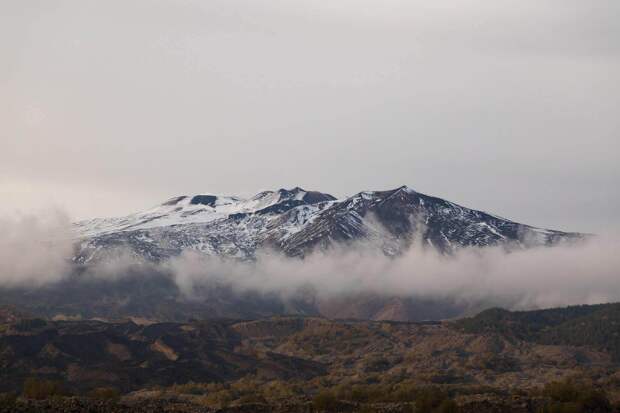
596,326
313,364
430,399
43,389
400,396
105,393
325,401
325,396
569,397
29,324
7,401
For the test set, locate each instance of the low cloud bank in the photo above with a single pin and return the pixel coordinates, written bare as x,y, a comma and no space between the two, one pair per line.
586,273
36,250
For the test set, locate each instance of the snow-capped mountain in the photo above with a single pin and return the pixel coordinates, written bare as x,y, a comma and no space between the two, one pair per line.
297,222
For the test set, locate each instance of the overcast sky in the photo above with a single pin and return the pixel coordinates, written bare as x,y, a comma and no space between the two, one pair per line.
513,107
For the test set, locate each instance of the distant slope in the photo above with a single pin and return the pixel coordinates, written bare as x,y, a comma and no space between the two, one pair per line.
596,326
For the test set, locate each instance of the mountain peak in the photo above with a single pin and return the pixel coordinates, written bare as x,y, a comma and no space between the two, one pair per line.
295,190
296,221
203,200
309,197
406,188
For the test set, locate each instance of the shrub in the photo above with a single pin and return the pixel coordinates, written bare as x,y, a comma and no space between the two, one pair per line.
190,388
561,391
7,401
278,389
594,401
252,398
404,392
325,401
569,397
428,398
43,389
105,393
220,398
447,406
376,363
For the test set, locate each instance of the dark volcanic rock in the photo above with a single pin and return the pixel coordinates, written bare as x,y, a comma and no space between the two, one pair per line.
91,354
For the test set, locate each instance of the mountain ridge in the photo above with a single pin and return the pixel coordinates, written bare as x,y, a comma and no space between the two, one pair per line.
297,222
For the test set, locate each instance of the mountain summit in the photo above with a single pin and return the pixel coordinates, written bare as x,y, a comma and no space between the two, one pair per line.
296,222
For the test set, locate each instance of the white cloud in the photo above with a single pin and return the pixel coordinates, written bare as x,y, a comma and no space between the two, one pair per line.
34,249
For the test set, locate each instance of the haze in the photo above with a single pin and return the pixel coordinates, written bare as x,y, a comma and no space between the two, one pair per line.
507,106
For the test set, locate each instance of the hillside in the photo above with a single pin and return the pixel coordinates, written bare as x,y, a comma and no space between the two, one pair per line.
223,362
596,326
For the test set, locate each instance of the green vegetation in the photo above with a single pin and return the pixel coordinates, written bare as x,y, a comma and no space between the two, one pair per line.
432,399
325,401
248,390
43,389
569,397
399,396
105,393
476,365
323,394
597,326
428,399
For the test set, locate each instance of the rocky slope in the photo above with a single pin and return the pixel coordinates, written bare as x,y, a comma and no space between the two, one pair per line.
297,222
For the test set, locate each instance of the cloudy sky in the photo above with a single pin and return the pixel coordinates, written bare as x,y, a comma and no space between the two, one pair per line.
511,106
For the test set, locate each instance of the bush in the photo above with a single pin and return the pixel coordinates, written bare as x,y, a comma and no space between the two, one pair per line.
569,397
219,398
593,401
278,389
190,388
447,406
404,392
105,393
252,398
325,401
428,399
7,400
43,389
561,391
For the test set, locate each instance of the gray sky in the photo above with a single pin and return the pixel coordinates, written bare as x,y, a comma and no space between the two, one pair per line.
511,106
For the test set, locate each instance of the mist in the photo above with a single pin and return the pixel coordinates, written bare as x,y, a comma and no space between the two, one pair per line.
584,273
36,251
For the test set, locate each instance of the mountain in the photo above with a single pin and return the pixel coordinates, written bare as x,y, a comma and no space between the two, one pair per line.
296,222
293,223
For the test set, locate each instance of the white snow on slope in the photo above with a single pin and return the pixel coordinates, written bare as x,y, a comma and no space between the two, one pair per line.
181,211
295,222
